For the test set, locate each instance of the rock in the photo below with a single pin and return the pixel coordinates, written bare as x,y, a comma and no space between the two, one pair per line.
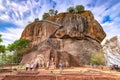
112,51
79,37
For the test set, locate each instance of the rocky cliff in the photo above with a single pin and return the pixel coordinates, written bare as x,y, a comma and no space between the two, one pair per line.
112,51
68,38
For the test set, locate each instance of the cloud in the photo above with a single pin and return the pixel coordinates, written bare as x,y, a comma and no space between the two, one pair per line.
11,34
21,12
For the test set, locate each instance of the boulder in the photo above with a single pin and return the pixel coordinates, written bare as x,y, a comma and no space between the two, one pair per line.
71,44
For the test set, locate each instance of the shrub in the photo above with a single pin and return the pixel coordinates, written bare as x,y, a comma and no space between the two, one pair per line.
98,58
71,9
45,15
36,19
51,12
79,8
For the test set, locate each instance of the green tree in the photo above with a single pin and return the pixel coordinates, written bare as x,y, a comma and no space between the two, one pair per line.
98,58
18,44
56,12
45,15
51,12
79,8
19,47
0,38
36,19
71,10
2,47
2,51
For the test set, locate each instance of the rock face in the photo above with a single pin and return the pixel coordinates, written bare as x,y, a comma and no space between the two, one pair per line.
112,51
71,45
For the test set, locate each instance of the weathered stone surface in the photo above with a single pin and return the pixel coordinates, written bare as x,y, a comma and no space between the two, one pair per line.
49,53
74,43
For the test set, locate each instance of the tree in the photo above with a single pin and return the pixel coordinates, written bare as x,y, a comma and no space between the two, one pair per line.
18,44
56,12
19,47
2,47
71,10
36,19
98,58
0,38
45,15
51,12
2,51
79,8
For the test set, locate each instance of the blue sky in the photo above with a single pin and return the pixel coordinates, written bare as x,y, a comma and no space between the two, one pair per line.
16,14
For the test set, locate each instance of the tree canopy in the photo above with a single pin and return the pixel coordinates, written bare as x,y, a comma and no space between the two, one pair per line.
45,15
0,38
51,12
36,19
2,47
71,9
79,8
19,47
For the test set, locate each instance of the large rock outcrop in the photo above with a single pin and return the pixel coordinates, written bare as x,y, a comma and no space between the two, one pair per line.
71,44
112,51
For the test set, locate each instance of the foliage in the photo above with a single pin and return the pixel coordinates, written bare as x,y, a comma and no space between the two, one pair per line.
79,8
2,49
19,47
71,10
56,12
0,38
45,15
6,59
17,56
98,58
51,12
36,19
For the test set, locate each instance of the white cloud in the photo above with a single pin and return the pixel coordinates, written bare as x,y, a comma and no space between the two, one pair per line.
11,34
4,17
99,8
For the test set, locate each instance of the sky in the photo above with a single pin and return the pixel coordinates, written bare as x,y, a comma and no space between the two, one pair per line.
16,14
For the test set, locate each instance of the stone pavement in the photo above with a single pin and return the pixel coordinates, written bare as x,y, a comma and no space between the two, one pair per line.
62,76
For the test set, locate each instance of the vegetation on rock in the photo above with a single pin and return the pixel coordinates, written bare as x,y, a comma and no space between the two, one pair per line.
51,12
98,58
45,15
71,10
36,19
77,9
